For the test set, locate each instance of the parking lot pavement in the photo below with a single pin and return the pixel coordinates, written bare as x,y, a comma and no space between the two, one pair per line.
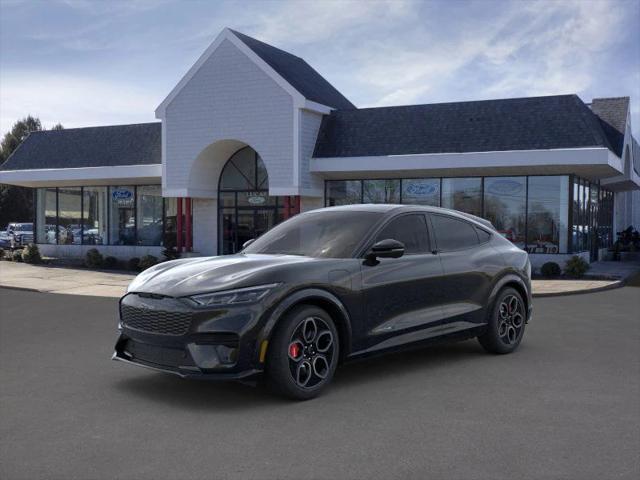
565,405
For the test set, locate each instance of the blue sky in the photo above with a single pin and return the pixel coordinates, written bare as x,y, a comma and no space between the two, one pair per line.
82,62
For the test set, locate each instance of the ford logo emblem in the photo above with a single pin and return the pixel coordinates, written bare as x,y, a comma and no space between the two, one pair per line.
422,189
122,194
256,200
505,187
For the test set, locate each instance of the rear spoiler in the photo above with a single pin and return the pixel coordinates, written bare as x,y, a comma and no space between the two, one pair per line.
482,221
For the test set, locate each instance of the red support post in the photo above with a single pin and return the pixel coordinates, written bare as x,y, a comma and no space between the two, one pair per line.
187,213
179,225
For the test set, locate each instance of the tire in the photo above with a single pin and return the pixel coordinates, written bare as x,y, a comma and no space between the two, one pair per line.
506,324
301,363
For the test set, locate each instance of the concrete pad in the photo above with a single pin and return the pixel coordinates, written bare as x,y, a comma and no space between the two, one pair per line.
77,281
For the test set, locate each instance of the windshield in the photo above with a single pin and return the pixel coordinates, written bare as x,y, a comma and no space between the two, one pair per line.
323,234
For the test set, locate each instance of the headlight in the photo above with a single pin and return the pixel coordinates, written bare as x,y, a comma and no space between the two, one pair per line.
233,297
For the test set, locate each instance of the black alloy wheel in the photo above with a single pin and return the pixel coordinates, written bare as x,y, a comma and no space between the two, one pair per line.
506,323
303,354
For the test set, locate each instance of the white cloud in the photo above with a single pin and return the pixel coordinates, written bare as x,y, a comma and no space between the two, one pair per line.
73,101
307,22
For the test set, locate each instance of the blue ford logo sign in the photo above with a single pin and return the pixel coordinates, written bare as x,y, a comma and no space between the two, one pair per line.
505,187
122,194
422,189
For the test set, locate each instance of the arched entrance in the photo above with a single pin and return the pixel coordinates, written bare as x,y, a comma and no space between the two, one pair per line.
245,208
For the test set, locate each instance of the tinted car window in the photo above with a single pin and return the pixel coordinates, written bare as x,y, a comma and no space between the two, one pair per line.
410,230
453,234
317,234
483,235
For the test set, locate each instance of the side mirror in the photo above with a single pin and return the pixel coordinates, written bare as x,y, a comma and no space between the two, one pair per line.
388,248
248,242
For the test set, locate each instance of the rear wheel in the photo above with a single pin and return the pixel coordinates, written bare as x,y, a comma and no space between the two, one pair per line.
506,323
303,353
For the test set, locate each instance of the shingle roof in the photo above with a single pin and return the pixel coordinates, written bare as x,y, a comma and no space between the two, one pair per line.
108,146
298,73
533,123
613,116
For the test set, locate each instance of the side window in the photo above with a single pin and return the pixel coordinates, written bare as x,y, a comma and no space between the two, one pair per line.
410,230
453,234
483,235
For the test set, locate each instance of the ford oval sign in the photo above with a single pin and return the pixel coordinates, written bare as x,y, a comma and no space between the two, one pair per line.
256,200
422,189
505,187
121,194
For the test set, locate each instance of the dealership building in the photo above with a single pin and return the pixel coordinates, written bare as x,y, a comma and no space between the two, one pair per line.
252,135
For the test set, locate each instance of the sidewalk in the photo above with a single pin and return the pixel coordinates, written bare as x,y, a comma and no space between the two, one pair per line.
73,281
77,281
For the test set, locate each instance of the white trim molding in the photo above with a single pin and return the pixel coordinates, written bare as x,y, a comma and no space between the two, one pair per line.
599,161
227,34
65,177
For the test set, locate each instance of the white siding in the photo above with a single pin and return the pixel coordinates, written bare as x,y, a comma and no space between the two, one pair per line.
205,226
309,127
229,97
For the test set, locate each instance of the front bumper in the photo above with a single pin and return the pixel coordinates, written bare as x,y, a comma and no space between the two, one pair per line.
171,335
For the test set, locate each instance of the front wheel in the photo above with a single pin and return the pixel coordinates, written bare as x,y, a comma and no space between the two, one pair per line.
506,323
303,353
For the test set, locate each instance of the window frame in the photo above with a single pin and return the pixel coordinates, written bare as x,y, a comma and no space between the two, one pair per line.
473,227
108,214
362,252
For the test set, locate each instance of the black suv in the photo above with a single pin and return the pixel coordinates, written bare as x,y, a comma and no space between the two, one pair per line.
327,286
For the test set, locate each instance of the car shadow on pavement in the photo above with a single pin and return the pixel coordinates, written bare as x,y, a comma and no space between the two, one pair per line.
425,359
207,395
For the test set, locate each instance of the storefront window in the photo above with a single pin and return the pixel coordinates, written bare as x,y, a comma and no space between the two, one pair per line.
421,191
344,192
69,216
381,191
505,204
149,215
122,221
94,223
464,194
547,219
46,215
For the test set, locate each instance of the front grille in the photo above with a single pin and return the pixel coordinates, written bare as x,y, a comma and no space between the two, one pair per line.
155,321
169,357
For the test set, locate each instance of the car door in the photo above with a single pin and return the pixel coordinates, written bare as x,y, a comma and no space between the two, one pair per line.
402,294
468,263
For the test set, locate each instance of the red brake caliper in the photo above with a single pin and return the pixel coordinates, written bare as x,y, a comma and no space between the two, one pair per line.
294,350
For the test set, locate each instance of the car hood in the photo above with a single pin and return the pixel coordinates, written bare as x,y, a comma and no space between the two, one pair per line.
190,276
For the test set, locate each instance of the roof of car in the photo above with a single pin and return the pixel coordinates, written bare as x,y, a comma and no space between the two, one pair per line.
399,208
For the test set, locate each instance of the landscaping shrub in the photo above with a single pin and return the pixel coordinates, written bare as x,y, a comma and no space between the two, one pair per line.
110,263
576,266
550,269
1,253
16,256
147,261
31,254
93,258
134,264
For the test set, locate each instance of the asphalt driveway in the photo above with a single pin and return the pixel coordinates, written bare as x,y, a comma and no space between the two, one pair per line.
566,405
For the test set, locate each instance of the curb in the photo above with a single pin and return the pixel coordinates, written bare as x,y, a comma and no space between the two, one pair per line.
24,289
613,286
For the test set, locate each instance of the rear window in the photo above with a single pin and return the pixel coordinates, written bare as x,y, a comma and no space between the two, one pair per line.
453,234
